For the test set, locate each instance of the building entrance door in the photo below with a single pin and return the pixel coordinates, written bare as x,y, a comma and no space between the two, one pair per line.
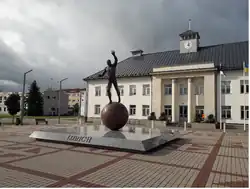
199,112
183,113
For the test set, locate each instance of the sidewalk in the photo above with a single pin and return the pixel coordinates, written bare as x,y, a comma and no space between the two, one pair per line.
200,159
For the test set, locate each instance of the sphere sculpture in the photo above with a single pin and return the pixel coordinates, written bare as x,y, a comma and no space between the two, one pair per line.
114,116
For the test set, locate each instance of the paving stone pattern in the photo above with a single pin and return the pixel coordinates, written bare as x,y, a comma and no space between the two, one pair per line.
199,159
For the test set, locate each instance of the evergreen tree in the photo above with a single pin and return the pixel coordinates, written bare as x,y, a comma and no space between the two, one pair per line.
35,101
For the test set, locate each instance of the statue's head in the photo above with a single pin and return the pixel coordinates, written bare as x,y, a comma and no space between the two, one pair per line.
109,62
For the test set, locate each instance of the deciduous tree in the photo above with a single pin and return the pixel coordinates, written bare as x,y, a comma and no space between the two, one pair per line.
13,105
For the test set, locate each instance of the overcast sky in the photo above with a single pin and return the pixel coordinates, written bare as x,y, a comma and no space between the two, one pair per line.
73,38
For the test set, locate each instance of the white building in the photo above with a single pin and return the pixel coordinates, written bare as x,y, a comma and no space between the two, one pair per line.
135,95
182,83
233,97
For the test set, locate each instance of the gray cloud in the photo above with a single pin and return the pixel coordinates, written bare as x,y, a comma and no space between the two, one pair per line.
73,38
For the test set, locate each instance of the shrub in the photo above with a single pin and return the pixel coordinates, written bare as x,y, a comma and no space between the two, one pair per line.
210,118
152,116
163,117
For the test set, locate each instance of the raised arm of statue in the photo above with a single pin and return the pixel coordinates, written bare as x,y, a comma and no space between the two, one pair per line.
115,57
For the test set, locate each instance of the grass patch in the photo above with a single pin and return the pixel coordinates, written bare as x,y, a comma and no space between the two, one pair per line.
43,117
5,116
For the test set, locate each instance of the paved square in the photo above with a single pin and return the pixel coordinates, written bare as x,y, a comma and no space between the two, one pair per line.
131,173
63,163
12,178
199,159
51,145
100,151
11,153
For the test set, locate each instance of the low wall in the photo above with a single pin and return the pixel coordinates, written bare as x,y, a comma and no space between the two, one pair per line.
204,126
143,122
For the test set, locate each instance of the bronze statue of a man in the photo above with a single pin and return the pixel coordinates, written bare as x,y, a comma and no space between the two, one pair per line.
111,70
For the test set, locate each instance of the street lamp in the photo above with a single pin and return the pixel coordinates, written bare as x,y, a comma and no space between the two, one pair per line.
22,103
80,107
59,99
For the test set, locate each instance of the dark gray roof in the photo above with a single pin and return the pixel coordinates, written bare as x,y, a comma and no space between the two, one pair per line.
231,56
190,33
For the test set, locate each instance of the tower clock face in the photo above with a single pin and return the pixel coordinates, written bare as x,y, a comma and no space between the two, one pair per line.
188,44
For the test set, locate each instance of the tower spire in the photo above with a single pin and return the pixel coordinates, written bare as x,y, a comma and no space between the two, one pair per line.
189,24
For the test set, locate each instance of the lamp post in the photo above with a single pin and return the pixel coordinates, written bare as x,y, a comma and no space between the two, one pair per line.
22,103
80,108
59,99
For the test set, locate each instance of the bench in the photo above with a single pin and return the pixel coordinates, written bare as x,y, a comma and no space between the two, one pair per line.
41,120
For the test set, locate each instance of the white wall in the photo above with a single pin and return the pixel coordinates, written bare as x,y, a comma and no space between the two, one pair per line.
127,100
235,99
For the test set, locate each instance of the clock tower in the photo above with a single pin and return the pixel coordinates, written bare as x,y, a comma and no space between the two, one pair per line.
189,40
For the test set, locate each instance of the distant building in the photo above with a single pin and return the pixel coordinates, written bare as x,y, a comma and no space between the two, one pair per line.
51,105
3,98
74,96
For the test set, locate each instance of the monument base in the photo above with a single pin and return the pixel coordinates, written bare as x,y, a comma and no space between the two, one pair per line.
128,138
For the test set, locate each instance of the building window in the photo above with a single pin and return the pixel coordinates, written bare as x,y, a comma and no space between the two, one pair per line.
4,109
1,99
48,97
183,89
97,91
168,89
97,109
146,90
199,90
225,87
244,87
226,112
5,98
168,110
145,110
132,109
0,109
199,110
121,88
242,115
132,90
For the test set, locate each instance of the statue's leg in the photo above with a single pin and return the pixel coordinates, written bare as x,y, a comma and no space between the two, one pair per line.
117,90
108,91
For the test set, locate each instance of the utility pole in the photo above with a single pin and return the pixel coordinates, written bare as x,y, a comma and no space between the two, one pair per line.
59,99
23,96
